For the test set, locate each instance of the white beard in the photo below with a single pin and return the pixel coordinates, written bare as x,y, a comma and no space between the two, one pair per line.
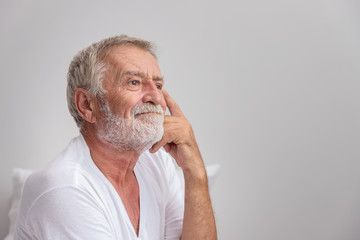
137,134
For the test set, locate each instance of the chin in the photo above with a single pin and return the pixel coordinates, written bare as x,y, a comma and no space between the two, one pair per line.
149,141
137,135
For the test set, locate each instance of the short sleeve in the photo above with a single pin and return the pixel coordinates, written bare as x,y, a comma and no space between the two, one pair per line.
65,213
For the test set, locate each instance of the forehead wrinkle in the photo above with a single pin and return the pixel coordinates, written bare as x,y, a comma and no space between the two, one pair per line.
143,75
122,65
135,73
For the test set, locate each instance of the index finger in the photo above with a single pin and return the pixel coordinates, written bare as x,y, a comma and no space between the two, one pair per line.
172,105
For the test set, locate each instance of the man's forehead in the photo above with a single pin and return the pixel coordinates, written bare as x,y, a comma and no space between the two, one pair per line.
133,61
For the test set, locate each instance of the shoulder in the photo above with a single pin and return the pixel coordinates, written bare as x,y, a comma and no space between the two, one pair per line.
66,169
67,173
64,212
49,210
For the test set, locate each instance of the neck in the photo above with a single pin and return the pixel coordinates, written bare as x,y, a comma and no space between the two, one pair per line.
117,166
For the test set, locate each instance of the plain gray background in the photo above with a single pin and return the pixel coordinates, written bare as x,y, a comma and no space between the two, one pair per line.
270,87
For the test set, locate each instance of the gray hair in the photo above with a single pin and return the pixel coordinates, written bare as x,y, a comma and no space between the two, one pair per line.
87,69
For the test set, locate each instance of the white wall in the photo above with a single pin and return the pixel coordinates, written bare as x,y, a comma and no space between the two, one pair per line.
271,87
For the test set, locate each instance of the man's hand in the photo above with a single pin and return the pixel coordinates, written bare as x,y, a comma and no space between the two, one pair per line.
179,141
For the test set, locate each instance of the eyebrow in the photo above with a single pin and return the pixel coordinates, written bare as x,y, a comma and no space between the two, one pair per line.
143,75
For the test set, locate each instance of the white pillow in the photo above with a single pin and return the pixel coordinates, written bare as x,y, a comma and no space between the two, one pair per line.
19,177
212,173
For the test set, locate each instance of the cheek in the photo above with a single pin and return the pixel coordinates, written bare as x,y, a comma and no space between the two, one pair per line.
124,106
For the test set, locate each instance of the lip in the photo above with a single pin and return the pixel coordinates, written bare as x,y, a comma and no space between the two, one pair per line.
148,113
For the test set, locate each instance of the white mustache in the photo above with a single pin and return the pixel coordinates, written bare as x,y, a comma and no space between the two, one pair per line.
146,108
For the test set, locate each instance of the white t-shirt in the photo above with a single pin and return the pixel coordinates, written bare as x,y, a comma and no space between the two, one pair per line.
72,199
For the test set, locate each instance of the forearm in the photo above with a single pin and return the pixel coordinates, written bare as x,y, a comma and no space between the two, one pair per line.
199,221
179,140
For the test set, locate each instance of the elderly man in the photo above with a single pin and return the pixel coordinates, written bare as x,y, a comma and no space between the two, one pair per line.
116,180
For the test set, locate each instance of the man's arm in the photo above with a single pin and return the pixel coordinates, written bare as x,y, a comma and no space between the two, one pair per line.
179,141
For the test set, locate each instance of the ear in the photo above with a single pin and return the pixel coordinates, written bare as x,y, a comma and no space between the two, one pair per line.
85,105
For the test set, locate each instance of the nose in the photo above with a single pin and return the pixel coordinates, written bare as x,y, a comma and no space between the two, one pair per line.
152,94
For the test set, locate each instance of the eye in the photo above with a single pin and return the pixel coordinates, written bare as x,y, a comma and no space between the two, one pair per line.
159,86
134,82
